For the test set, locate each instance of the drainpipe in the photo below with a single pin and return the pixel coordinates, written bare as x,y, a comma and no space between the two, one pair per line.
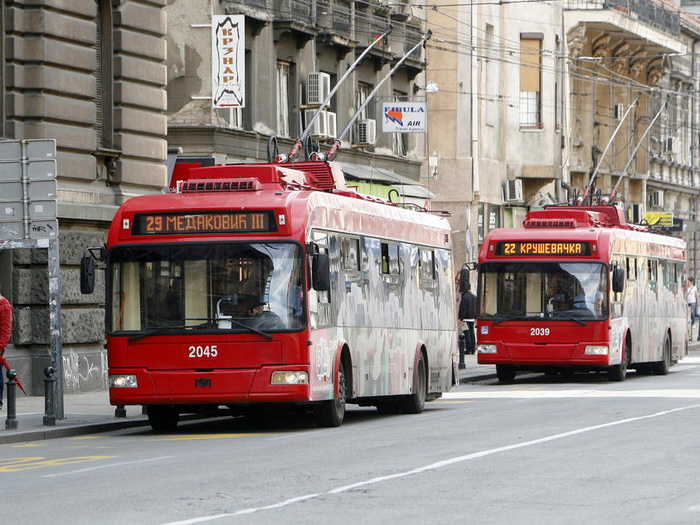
474,104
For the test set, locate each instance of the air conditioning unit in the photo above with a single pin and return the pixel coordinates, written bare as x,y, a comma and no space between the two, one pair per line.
317,88
331,125
513,190
366,132
657,198
619,111
319,128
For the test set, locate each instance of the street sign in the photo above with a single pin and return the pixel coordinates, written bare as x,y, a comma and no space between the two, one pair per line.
28,192
43,229
11,230
28,189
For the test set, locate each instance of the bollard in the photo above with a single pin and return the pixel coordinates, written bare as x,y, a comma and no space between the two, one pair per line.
120,411
11,422
462,344
49,416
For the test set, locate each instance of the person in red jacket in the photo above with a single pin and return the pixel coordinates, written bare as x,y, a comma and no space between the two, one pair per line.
5,333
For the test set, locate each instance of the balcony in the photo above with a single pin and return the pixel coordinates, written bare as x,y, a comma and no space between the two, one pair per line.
334,20
649,12
297,17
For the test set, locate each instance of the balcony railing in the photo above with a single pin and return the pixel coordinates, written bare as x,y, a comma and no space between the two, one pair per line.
649,12
302,11
362,24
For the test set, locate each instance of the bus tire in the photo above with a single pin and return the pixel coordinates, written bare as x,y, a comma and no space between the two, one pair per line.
661,367
415,403
163,418
505,373
619,372
331,413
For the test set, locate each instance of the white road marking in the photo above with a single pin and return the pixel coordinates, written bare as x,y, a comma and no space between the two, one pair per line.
106,466
434,466
692,393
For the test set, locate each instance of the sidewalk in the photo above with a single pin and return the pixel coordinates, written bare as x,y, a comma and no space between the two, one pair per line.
87,413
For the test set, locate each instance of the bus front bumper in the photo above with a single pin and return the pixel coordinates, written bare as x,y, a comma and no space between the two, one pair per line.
573,354
269,384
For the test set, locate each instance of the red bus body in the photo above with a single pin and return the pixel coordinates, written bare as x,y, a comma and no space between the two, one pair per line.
387,318
525,324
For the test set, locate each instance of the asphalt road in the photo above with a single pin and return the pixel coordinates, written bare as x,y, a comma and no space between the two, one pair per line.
573,449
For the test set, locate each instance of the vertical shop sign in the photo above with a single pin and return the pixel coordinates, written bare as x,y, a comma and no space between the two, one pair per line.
228,61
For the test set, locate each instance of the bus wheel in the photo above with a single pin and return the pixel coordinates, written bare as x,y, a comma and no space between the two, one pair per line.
619,372
505,373
661,367
415,403
163,418
331,413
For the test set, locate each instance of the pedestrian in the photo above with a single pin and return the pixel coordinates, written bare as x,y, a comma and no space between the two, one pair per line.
5,333
692,303
467,313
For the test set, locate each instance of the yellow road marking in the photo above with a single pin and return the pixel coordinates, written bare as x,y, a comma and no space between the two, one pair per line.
30,463
202,436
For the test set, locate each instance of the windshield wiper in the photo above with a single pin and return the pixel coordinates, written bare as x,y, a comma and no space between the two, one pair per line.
559,313
512,318
158,330
210,323
248,327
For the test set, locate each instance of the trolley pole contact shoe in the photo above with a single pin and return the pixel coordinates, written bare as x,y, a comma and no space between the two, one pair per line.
49,380
11,421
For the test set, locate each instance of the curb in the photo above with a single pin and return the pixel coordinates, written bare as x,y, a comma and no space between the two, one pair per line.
71,431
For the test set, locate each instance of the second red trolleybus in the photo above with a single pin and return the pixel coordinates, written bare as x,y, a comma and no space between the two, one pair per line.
577,288
269,284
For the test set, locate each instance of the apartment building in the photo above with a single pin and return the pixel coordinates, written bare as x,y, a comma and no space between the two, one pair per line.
296,52
550,102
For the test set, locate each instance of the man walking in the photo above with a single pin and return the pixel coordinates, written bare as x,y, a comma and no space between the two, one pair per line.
467,313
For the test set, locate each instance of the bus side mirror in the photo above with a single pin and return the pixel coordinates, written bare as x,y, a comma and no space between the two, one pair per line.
320,272
463,280
87,274
618,280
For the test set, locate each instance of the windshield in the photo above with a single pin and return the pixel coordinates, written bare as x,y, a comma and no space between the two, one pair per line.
526,290
237,287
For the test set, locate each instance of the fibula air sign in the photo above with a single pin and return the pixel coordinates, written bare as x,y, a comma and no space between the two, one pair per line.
404,117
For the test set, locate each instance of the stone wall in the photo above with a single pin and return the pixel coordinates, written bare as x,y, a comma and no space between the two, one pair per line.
52,88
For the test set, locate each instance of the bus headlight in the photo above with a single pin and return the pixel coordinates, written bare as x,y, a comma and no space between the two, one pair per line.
596,350
290,377
486,349
125,381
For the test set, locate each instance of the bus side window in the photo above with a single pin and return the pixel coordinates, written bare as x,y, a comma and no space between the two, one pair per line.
390,259
350,253
427,265
385,258
652,266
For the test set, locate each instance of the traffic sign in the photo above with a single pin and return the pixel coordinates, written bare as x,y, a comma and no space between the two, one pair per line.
28,189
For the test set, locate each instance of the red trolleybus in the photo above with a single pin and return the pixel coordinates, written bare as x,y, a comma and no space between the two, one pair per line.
274,284
577,288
